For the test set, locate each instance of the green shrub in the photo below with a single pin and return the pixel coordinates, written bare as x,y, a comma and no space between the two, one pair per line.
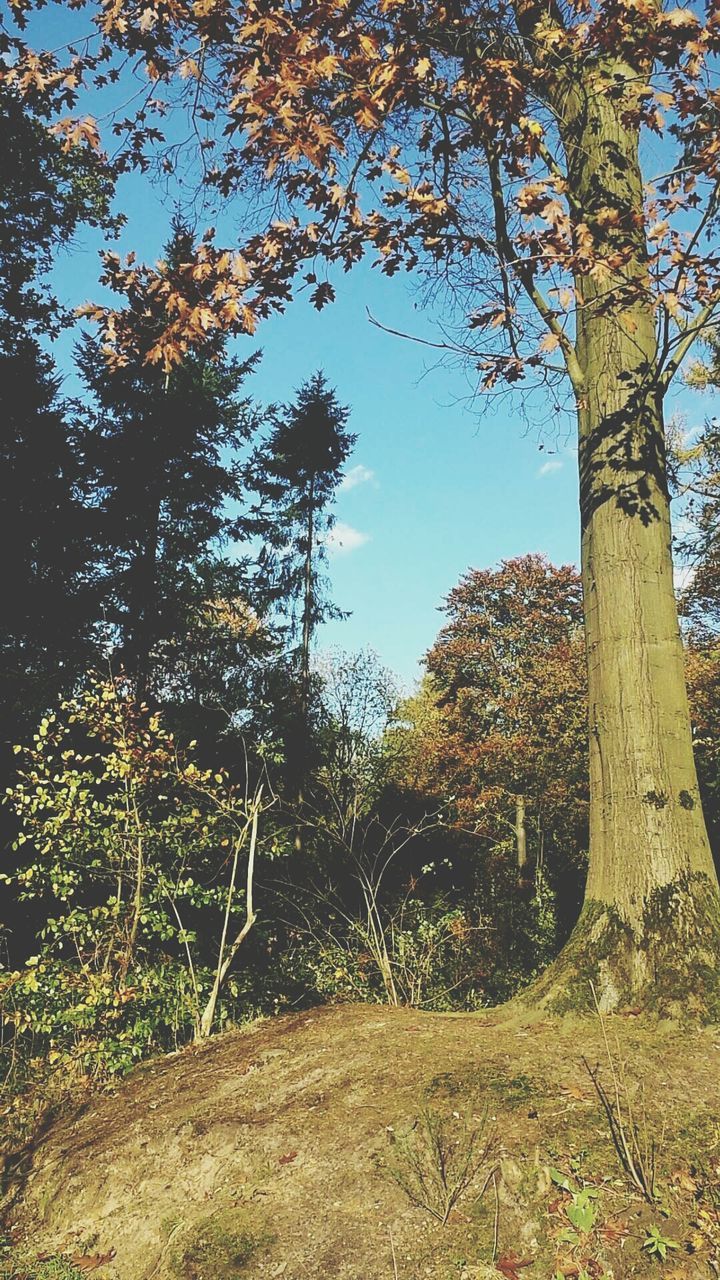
127,851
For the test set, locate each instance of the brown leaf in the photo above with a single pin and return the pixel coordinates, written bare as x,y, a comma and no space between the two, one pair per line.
90,1261
575,1091
288,1158
614,1231
510,1263
549,342
684,1181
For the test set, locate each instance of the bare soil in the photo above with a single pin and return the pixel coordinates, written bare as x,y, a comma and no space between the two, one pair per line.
274,1151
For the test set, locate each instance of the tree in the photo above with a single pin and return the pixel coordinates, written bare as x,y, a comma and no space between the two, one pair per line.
134,853
497,735
165,452
48,192
365,895
296,475
702,662
358,697
696,476
501,146
508,675
46,582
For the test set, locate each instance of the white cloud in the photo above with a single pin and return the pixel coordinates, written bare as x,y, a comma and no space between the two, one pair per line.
683,575
343,539
355,476
547,468
682,525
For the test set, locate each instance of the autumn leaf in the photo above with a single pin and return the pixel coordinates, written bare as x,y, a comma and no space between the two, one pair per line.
323,294
510,1264
550,342
574,1091
189,67
148,19
249,320
90,1261
533,127
76,133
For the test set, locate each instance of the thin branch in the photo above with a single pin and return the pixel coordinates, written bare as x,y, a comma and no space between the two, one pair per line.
524,274
700,323
411,337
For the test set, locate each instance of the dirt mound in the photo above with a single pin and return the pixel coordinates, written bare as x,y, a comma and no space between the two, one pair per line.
287,1149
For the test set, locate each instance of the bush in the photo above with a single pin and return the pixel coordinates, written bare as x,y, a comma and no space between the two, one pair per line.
129,852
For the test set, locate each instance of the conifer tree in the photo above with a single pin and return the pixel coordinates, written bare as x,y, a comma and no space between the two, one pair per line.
46,578
296,475
165,455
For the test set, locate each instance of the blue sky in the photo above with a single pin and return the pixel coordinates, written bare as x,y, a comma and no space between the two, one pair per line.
440,489
433,487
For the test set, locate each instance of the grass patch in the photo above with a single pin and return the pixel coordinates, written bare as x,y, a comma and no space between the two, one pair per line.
219,1249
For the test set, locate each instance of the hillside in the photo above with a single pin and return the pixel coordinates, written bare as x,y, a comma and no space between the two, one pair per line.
270,1152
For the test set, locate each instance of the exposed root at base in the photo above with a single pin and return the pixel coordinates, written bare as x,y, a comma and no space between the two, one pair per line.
670,967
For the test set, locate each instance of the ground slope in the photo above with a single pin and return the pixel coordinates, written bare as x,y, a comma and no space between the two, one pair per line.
270,1152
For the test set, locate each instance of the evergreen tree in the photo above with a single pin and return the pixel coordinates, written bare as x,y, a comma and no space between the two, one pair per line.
47,192
46,574
164,451
296,475
47,581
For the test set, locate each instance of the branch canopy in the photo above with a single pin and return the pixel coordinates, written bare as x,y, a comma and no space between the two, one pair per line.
439,135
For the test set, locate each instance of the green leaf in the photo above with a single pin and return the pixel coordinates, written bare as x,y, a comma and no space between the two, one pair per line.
582,1215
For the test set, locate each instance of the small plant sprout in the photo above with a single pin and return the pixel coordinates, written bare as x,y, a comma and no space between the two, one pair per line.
581,1211
441,1158
657,1245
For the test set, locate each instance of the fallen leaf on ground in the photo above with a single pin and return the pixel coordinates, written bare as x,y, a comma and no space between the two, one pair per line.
614,1231
574,1091
89,1261
510,1263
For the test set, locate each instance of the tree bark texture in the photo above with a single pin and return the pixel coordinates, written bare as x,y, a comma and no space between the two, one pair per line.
520,833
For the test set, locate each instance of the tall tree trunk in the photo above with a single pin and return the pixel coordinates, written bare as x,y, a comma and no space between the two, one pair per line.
649,933
302,740
307,606
520,835
144,605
